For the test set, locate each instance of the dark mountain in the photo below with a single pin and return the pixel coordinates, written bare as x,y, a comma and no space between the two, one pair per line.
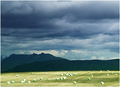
21,59
66,65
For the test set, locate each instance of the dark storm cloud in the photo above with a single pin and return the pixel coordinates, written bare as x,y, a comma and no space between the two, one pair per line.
59,25
26,21
54,23
19,17
83,32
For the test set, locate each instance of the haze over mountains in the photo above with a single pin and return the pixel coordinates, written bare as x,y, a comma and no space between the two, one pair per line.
48,62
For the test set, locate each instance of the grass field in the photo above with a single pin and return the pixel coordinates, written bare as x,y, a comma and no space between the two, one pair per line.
81,78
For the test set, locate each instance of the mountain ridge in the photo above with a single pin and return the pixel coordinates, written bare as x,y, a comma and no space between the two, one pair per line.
48,62
20,59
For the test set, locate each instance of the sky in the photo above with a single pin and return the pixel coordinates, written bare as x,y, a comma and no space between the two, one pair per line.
73,30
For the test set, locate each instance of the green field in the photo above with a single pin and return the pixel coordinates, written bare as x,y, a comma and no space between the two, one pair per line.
81,78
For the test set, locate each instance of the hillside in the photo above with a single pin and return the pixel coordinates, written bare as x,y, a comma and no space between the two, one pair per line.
48,62
66,65
21,59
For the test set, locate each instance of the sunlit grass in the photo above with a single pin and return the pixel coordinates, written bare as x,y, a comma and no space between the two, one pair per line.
81,78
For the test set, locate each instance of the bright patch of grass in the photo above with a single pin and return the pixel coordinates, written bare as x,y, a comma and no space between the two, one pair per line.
81,78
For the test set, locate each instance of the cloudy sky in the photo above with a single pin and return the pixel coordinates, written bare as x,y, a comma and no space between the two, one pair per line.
72,30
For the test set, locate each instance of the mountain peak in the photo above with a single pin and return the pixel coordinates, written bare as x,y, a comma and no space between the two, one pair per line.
42,53
34,54
46,54
12,55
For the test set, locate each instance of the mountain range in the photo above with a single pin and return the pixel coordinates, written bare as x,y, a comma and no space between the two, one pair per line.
48,62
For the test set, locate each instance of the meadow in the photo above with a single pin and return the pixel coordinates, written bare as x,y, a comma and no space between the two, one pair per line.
61,78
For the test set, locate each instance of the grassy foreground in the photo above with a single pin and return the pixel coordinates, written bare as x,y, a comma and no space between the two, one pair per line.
81,78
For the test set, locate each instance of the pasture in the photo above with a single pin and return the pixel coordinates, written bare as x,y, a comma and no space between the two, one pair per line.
61,78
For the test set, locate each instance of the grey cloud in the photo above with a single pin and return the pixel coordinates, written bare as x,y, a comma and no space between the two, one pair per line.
75,20
96,43
59,26
41,17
